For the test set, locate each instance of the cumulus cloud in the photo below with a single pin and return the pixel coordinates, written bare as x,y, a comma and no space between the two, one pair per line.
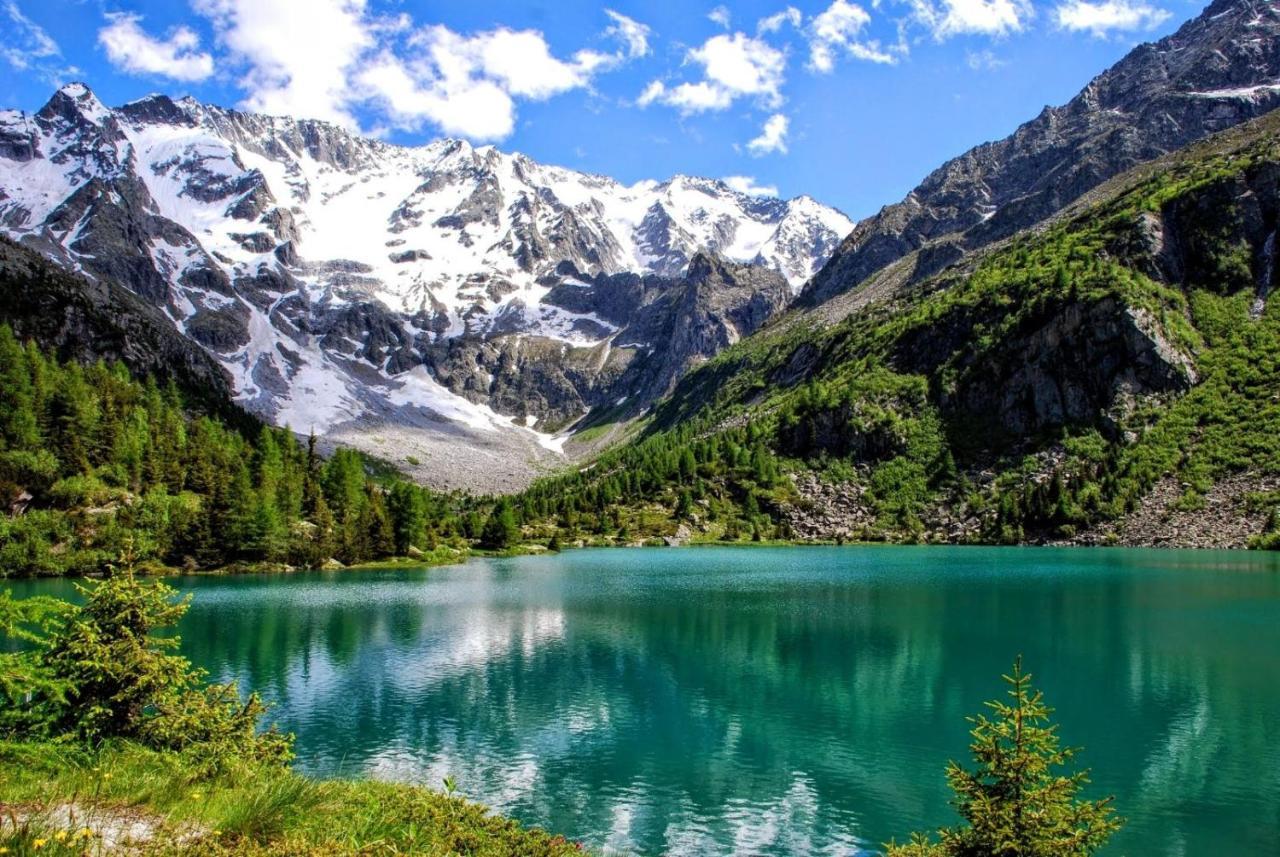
773,136
720,15
749,186
467,85
132,49
1110,15
838,29
733,66
947,18
297,64
341,56
25,42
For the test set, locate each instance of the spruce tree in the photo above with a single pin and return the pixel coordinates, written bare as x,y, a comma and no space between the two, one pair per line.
500,531
1017,802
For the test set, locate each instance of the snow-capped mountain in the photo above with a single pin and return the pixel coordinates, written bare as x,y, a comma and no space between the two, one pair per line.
340,278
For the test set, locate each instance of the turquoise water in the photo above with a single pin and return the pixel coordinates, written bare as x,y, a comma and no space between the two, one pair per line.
772,701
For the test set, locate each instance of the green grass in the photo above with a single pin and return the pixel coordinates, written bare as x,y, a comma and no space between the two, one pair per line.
246,810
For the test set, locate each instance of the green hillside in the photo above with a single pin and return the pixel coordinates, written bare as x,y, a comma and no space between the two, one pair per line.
1126,343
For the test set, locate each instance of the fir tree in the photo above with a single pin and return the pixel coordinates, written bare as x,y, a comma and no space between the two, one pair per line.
500,531
1016,802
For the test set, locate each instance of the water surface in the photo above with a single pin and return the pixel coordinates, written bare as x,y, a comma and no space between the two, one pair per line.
772,701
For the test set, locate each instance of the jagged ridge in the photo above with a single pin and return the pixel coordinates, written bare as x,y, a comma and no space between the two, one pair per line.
342,279
1218,70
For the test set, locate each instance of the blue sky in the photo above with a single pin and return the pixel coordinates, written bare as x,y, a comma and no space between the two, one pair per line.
850,102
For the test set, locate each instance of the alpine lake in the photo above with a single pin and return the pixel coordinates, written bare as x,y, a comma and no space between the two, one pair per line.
770,701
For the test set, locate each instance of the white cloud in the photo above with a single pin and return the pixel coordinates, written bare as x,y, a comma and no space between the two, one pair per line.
742,65
837,29
631,33
1101,18
518,60
790,15
748,185
467,85
25,43
653,92
298,64
456,102
946,18
733,66
773,136
132,49
340,56
720,15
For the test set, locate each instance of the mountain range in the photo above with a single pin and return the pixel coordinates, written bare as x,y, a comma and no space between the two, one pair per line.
460,294
477,316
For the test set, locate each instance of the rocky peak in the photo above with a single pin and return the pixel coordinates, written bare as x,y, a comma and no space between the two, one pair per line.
1218,70
74,103
159,110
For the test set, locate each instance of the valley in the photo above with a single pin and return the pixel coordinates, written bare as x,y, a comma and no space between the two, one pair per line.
368,486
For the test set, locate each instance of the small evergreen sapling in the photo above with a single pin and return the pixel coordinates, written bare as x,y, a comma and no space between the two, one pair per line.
1016,803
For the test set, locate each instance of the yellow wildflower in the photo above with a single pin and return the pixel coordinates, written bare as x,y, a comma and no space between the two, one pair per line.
39,843
86,833
60,835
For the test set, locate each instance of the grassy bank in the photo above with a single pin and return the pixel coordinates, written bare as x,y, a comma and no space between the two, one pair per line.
168,803
109,736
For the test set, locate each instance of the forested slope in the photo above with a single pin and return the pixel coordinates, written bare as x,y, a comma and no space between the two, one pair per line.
1040,391
96,465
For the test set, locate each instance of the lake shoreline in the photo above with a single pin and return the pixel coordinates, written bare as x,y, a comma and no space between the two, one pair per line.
462,556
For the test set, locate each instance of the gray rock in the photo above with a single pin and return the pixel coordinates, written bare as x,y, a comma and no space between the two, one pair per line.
1218,70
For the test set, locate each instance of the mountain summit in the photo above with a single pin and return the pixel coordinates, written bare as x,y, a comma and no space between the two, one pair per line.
1216,71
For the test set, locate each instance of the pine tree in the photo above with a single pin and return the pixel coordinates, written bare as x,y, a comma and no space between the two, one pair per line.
684,506
408,512
1015,802
500,531
376,527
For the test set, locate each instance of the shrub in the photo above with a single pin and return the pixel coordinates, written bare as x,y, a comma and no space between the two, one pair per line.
115,678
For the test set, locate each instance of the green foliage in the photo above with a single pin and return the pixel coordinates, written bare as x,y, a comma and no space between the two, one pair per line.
103,671
501,530
27,625
1015,802
91,459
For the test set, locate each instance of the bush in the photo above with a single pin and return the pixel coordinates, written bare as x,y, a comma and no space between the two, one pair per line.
115,678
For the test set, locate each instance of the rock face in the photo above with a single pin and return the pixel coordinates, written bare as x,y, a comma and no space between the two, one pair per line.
1219,70
85,320
1079,362
658,328
343,280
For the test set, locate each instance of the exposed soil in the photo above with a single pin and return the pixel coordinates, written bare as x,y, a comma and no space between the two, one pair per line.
112,829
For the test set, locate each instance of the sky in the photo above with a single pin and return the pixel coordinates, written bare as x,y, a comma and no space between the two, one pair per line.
852,103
